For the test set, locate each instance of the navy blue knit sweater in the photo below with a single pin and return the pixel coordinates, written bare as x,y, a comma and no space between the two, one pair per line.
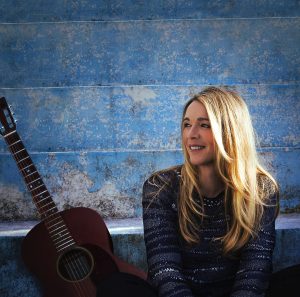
178,269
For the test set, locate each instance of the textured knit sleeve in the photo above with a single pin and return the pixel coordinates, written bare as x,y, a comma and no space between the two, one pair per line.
161,239
255,268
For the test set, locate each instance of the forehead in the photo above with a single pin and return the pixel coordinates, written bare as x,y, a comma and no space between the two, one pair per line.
196,110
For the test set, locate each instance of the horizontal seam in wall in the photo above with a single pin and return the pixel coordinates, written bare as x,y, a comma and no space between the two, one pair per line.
108,151
147,20
152,85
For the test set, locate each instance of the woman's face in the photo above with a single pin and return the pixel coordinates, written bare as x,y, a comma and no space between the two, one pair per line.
197,135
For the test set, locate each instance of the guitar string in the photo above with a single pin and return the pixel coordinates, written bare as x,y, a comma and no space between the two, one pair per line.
20,162
74,260
78,256
74,275
74,272
70,271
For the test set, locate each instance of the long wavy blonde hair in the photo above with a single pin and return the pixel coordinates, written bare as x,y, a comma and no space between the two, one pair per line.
247,184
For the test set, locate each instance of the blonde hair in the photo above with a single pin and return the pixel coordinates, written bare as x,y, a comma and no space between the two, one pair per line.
247,184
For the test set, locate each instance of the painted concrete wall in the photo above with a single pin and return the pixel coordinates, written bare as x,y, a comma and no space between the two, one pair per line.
98,91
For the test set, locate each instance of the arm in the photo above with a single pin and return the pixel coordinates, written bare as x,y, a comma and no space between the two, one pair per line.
255,268
161,239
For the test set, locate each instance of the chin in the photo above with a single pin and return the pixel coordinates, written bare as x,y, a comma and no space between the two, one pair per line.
199,163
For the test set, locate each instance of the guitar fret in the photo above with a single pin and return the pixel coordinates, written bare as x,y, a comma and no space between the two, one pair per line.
61,245
30,174
47,204
62,242
34,181
48,222
27,167
56,224
49,210
44,199
23,149
40,193
8,134
61,233
57,229
23,159
46,217
61,238
36,187
10,145
65,247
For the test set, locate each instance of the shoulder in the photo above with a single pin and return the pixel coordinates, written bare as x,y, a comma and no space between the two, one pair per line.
165,180
268,187
269,193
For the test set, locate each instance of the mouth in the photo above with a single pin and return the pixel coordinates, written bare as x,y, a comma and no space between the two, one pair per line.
196,147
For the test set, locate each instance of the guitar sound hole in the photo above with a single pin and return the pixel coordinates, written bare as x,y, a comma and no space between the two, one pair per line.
75,264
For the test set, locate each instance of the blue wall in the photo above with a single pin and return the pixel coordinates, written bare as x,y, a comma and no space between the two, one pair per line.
98,88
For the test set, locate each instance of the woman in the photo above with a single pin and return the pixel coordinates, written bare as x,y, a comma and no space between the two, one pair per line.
209,225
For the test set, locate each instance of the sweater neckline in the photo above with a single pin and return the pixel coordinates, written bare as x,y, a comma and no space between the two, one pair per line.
220,195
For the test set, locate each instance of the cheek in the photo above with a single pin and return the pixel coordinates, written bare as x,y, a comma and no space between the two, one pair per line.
183,137
214,145
210,138
184,143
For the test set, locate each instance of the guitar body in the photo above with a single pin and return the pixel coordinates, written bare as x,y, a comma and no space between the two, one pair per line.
89,231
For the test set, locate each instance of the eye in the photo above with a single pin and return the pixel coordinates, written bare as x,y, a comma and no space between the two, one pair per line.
203,125
186,124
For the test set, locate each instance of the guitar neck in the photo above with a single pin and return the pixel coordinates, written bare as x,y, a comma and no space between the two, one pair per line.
58,230
40,194
45,205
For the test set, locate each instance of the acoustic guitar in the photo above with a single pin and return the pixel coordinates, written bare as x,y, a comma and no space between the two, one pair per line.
69,251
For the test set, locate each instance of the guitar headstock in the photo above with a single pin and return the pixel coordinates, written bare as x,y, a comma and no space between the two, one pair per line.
6,118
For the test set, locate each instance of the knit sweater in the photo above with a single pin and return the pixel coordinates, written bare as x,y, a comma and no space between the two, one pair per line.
178,269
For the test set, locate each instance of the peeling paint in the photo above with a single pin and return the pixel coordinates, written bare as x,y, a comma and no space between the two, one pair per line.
105,118
15,205
74,192
140,95
292,138
111,182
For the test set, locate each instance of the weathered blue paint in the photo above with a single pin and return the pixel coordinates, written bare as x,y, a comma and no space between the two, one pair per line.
15,279
91,10
188,52
138,117
111,182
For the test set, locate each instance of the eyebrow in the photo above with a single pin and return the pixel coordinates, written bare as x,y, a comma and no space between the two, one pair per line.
198,119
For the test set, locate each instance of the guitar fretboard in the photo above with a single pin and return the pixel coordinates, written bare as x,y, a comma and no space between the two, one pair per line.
45,205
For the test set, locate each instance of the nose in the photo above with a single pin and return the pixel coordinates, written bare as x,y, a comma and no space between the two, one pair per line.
193,132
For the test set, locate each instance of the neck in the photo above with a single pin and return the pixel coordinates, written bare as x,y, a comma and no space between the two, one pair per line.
210,181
